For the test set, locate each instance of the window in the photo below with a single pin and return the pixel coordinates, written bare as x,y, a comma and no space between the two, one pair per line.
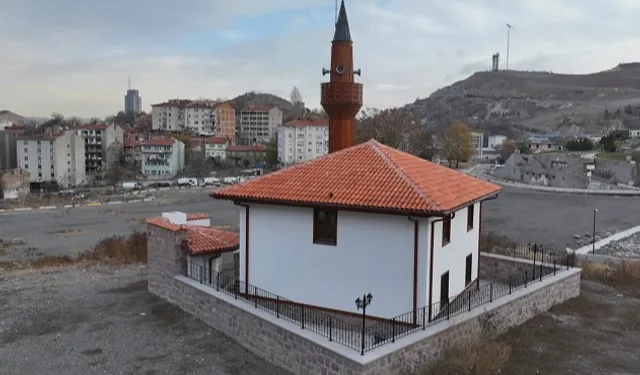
446,231
470,218
26,158
467,269
325,226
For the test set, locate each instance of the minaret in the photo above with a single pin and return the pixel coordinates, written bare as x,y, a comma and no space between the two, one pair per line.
341,96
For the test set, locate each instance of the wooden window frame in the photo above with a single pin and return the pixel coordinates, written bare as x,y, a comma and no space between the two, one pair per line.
325,231
446,231
470,217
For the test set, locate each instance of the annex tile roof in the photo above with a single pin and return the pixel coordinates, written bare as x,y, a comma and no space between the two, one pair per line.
197,216
201,240
369,176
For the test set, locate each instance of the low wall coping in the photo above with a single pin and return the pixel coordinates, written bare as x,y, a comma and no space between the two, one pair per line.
389,348
552,189
509,258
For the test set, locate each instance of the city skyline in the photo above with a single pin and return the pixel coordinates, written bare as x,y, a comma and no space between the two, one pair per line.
73,59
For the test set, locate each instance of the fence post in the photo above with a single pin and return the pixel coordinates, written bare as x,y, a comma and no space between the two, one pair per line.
491,292
526,278
535,251
567,261
540,271
542,253
510,283
424,323
218,281
554,267
277,306
236,288
302,307
448,310
330,329
255,297
469,295
393,330
201,273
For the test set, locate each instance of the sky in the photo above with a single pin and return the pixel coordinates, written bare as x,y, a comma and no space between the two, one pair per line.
75,56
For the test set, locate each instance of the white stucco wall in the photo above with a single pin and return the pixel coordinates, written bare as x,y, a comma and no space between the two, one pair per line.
374,254
452,257
200,263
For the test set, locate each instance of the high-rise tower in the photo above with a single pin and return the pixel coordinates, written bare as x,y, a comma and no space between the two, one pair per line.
341,96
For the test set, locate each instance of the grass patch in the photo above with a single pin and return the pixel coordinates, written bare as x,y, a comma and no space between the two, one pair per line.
119,250
481,357
612,155
621,274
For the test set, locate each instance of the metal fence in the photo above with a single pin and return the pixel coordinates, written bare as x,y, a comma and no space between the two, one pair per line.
496,244
365,337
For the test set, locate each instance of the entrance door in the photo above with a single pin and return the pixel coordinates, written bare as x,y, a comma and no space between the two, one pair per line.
444,289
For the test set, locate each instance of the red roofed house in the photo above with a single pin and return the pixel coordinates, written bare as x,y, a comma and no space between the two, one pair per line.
162,157
363,219
302,140
209,250
247,156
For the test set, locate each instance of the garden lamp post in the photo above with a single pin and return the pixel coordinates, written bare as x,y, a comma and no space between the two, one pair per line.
362,303
593,238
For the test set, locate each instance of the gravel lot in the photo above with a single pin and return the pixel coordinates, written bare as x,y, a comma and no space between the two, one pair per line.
527,216
627,248
103,321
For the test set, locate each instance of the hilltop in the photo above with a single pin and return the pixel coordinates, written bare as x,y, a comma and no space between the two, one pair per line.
516,101
253,98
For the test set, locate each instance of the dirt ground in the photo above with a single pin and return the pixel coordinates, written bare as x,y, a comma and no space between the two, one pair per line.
102,320
596,333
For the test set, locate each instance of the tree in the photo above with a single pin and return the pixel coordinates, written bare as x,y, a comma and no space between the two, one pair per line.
609,143
297,102
114,175
524,149
507,149
395,127
458,145
584,144
272,153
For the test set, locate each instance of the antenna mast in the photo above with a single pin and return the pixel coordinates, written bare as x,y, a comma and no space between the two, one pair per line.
129,83
509,27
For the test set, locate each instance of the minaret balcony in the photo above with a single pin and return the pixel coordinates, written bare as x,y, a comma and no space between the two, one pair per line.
341,93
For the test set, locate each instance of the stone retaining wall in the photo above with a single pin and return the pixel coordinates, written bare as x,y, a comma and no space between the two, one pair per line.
303,352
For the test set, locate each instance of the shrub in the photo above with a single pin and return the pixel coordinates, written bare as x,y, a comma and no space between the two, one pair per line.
624,273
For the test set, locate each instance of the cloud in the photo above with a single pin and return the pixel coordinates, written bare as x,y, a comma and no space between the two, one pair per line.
74,56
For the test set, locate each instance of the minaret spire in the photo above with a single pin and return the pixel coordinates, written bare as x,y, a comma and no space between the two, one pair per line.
341,96
342,33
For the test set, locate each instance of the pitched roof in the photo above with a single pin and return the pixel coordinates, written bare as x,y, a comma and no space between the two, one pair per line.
369,176
201,240
216,140
197,216
301,122
159,142
342,33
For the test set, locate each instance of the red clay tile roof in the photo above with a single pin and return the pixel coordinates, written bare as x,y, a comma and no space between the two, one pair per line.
242,148
216,140
208,240
308,122
197,216
129,142
201,240
224,105
159,142
369,176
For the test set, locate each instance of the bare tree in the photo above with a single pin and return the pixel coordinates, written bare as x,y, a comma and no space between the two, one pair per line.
297,101
397,128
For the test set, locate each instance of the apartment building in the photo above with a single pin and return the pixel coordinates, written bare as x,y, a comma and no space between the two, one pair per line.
56,158
206,117
302,140
477,139
247,156
103,146
162,158
216,147
8,153
10,117
259,124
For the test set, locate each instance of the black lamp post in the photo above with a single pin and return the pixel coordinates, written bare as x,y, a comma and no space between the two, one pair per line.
362,303
593,238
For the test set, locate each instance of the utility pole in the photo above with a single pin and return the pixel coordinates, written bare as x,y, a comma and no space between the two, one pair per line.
509,27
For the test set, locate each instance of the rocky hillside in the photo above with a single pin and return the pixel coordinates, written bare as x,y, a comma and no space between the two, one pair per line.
261,99
517,101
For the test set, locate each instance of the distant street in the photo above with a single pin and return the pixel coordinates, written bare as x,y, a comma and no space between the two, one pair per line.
524,215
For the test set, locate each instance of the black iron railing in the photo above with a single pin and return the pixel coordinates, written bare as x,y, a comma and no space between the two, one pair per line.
380,333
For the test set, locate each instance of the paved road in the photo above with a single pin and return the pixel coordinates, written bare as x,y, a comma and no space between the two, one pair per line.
524,215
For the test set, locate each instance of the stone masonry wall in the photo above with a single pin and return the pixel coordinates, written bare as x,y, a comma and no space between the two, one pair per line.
287,348
501,267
